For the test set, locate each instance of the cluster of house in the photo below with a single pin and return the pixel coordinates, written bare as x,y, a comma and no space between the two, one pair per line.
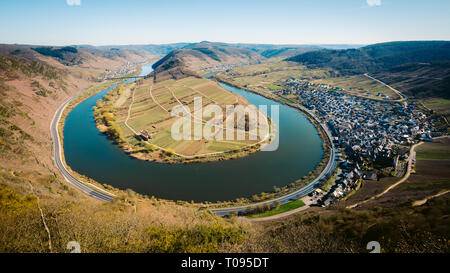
348,176
227,67
221,67
366,131
129,67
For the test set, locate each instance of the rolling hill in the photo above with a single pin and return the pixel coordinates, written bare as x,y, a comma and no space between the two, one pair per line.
74,55
193,58
153,49
279,51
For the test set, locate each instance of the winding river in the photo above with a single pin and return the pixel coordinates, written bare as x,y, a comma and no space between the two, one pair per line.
91,153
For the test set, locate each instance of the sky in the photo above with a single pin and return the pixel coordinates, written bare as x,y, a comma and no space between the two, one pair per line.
122,22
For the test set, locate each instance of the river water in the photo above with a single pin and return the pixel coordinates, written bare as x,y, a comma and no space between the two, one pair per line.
91,153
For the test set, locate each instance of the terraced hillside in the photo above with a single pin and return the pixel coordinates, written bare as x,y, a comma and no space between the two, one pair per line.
146,107
192,59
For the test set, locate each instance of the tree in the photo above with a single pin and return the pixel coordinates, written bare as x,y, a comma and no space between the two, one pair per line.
150,147
170,151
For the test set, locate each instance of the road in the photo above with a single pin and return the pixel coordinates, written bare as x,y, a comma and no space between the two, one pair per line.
403,98
96,193
100,194
294,195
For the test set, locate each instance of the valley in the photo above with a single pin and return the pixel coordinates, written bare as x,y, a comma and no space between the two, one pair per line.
316,171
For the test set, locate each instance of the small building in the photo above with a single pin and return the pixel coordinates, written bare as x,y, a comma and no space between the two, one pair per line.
371,176
144,135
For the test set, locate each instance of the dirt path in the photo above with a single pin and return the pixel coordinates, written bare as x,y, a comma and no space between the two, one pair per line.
412,154
129,111
203,95
423,201
402,97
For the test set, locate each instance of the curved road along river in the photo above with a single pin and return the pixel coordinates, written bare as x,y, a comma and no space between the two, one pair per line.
98,194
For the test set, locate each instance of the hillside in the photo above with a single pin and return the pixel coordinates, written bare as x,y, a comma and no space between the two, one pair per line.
34,195
279,51
421,68
374,58
150,48
419,80
194,58
74,55
284,52
34,83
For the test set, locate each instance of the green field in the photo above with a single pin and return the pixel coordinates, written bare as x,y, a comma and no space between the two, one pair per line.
359,85
438,150
280,209
440,106
271,76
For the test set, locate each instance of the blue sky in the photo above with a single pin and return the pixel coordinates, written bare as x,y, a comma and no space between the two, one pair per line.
107,22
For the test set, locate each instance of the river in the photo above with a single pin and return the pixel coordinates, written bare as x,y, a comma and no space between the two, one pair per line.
91,153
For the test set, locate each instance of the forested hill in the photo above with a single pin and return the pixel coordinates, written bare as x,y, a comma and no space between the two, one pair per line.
374,58
424,66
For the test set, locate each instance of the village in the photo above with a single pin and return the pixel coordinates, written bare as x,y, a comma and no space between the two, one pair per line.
128,68
372,136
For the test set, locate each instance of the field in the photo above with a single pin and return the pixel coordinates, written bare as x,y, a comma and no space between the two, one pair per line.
439,105
359,85
437,151
148,106
270,76
280,209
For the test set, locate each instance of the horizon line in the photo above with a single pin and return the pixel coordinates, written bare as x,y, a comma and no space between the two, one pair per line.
235,43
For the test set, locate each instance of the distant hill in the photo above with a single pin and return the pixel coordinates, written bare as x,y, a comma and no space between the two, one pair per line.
411,61
152,49
376,57
72,55
276,51
191,59
340,46
285,52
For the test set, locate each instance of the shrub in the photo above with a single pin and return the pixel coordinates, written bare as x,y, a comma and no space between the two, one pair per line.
170,151
150,147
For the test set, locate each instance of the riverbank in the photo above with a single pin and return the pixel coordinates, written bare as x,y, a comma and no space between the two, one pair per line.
80,181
